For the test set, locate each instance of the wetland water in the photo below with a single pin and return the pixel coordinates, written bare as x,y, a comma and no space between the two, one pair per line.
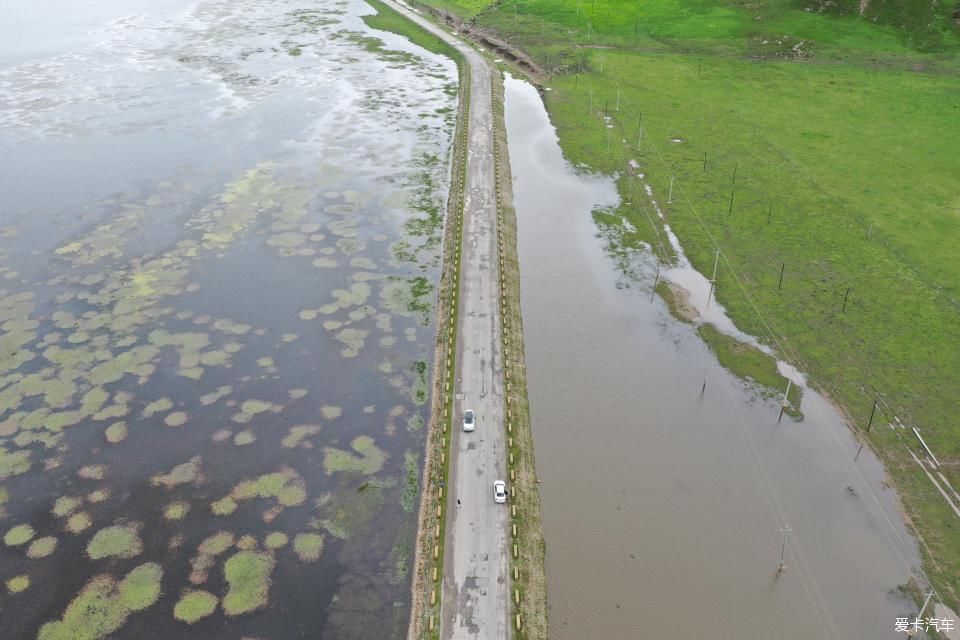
220,228
662,508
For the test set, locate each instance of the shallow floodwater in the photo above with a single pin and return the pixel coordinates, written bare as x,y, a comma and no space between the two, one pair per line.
663,507
219,241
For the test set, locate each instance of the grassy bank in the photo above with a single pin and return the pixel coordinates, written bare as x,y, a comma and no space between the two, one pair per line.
528,585
427,585
803,138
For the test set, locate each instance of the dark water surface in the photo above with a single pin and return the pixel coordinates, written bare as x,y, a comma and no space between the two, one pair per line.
663,508
219,240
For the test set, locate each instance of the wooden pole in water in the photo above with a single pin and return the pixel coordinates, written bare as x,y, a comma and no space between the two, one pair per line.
713,279
783,405
783,549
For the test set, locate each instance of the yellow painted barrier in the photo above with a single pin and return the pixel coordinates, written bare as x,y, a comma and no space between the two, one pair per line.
433,597
436,551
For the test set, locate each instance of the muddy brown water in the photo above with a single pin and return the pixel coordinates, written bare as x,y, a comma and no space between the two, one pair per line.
663,508
233,208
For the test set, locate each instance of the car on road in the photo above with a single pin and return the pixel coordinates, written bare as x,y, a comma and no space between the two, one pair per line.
499,491
469,420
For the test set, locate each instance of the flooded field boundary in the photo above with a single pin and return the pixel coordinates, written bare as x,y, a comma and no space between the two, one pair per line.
431,530
529,597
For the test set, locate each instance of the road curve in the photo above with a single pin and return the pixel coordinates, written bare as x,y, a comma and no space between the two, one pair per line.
475,603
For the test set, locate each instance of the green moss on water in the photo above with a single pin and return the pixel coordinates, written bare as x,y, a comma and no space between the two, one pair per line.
248,575
65,505
308,546
216,544
121,541
115,433
13,463
224,506
297,434
412,488
286,486
275,540
353,340
211,398
176,419
180,474
418,390
351,511
369,461
194,605
42,547
18,584
330,412
79,522
157,406
176,510
18,535
244,438
103,605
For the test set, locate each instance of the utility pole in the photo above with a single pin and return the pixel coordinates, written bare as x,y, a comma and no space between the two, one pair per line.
618,99
713,279
783,405
783,549
872,411
670,197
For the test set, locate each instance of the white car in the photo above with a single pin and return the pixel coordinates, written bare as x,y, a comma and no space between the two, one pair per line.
469,421
499,491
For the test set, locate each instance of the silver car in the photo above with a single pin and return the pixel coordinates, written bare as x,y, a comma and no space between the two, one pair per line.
469,422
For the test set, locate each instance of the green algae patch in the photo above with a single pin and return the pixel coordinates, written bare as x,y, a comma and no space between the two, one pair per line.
211,398
216,544
121,541
180,474
79,522
18,535
296,394
297,434
352,340
157,406
176,419
330,412
13,464
18,584
369,461
286,486
65,505
194,605
176,510
409,498
116,433
308,546
42,547
248,575
224,506
275,540
244,438
103,605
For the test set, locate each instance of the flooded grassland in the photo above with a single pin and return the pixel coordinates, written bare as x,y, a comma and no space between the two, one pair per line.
219,242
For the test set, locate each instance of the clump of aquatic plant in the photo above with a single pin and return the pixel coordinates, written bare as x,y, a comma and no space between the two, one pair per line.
104,604
193,605
308,546
369,461
248,575
121,541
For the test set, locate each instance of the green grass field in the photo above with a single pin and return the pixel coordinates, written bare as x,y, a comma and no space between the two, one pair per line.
843,131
